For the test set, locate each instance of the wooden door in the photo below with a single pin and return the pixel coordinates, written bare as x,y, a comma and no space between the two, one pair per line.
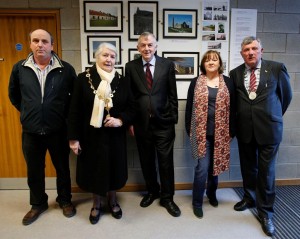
14,46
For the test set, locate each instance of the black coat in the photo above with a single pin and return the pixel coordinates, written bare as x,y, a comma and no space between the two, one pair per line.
162,98
42,114
102,165
263,116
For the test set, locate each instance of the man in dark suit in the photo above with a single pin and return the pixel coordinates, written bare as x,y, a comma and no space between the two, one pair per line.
263,95
157,114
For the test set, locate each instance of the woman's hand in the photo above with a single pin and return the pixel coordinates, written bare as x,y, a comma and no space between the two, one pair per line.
75,146
112,122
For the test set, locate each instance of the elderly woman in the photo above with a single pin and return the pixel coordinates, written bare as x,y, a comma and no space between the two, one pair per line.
101,109
210,124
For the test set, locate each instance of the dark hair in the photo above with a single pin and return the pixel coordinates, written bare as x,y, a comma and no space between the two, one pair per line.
210,55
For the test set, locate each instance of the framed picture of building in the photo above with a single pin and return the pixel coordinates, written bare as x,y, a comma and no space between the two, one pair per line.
103,16
180,23
94,41
186,64
142,17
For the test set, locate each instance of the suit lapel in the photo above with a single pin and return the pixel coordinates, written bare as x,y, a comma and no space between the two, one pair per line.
241,72
140,70
157,71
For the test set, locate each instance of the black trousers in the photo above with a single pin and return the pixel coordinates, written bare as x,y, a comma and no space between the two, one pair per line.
157,142
34,149
258,172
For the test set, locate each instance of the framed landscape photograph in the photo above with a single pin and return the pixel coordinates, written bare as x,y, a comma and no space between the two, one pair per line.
133,54
142,17
94,41
186,64
180,23
103,16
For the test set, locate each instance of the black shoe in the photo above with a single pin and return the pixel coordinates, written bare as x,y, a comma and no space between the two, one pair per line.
213,200
33,214
68,209
267,226
171,207
243,205
115,214
148,199
94,219
198,212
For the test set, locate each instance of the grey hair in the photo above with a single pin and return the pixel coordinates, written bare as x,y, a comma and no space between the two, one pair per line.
105,45
145,35
250,39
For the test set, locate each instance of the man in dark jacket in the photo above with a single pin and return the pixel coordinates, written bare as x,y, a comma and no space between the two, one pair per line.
40,88
154,87
263,95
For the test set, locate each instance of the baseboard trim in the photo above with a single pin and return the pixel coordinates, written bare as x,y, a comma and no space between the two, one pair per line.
188,186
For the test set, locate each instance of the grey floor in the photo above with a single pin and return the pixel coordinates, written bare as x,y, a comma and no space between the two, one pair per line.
143,223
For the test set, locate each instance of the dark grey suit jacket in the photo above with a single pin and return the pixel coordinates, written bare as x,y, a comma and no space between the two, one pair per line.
263,116
162,99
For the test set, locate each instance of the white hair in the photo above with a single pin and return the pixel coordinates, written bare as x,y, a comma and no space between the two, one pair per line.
105,45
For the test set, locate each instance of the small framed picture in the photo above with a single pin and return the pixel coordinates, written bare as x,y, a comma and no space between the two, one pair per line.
94,41
133,54
120,70
103,16
180,23
186,64
142,17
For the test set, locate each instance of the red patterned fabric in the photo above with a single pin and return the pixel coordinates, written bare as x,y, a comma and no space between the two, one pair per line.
148,76
222,137
252,87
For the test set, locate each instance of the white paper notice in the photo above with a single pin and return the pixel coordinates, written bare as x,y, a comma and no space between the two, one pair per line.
243,23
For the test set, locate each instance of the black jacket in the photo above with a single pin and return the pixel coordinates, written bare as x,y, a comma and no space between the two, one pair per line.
161,100
42,115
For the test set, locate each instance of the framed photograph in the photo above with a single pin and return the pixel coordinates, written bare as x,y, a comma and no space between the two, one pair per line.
102,16
94,41
180,23
186,64
142,17
120,70
133,54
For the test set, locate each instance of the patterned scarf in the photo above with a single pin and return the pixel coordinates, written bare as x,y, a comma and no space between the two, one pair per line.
199,123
